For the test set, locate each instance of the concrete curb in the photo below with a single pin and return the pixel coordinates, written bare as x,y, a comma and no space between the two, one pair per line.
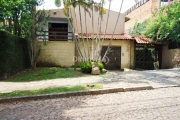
70,94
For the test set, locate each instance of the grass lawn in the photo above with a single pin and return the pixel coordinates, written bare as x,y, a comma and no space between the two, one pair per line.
49,90
44,74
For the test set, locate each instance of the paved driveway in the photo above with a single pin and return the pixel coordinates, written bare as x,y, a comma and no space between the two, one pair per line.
154,78
113,79
157,104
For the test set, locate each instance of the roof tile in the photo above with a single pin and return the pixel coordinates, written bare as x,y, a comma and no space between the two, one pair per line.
109,36
138,39
145,40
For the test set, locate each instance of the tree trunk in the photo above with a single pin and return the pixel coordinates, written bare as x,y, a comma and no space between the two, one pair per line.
113,31
33,39
82,33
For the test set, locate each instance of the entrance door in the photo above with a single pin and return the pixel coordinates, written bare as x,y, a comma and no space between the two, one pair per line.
113,58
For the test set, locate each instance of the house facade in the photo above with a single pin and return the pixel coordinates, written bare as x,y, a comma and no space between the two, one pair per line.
120,54
60,48
142,11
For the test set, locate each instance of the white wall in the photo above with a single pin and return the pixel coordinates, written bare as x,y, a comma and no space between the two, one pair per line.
111,24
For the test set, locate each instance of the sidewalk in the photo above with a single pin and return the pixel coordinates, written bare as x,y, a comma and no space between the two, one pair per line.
113,79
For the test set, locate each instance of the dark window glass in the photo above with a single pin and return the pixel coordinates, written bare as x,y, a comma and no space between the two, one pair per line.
173,45
58,31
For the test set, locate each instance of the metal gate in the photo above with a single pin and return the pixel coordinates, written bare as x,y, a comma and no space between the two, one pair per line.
147,56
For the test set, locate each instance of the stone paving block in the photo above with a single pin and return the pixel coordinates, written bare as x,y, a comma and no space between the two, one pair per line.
146,105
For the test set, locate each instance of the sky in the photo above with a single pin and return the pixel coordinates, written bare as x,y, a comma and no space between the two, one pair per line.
115,5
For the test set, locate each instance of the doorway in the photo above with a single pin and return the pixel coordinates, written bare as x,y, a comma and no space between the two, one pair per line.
113,58
146,55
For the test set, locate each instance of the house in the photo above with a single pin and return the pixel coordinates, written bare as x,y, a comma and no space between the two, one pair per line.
60,49
142,11
134,52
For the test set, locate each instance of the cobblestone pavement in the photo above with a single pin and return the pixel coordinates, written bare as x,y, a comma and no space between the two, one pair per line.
113,79
155,78
157,104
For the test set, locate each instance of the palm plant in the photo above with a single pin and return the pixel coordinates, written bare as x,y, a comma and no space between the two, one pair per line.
89,7
68,12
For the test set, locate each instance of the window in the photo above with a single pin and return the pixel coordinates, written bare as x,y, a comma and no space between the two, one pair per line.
173,45
58,31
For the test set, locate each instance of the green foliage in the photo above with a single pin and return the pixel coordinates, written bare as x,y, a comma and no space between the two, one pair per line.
74,3
49,73
20,18
101,66
14,54
138,29
50,90
165,24
86,67
17,14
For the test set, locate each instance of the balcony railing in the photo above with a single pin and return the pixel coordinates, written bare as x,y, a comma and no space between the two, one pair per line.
55,36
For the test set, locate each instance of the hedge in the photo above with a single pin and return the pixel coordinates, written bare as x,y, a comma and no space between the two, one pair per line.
14,54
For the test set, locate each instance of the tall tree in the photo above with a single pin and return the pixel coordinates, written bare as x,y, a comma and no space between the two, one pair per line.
21,18
164,24
89,7
138,29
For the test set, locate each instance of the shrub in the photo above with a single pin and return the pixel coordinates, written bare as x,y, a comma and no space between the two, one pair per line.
14,54
86,67
101,66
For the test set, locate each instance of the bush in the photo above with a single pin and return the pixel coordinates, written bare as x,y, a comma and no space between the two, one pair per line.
101,66
86,67
14,54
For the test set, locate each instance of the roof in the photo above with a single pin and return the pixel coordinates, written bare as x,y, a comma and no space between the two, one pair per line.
142,40
145,40
109,36
138,39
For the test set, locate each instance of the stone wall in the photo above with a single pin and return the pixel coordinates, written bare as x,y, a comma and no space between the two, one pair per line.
168,55
56,53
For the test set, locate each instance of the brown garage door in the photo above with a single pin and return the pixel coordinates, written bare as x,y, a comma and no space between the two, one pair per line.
113,56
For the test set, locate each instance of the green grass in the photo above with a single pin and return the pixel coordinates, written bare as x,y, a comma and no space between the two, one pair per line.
44,74
49,91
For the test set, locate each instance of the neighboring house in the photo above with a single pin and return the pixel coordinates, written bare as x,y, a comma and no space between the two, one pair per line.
142,11
60,49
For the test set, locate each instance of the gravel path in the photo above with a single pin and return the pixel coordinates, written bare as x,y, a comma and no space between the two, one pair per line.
157,104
